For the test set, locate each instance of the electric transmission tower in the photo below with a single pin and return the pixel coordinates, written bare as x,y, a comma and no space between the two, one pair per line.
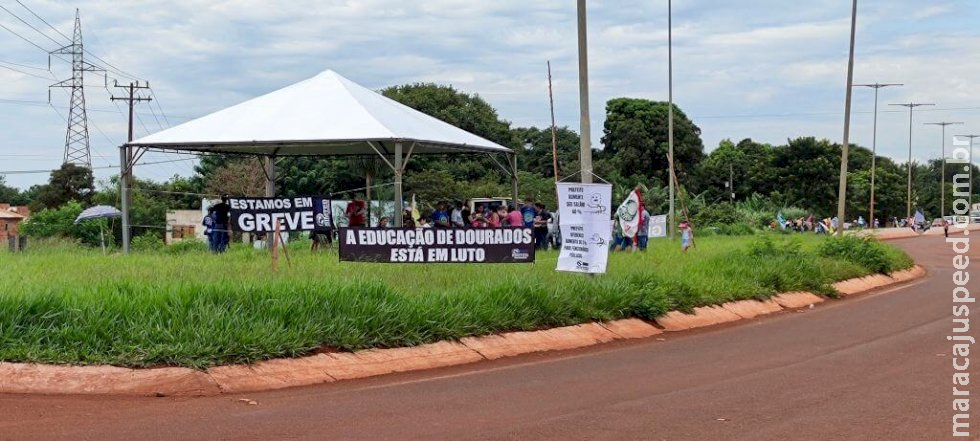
76,138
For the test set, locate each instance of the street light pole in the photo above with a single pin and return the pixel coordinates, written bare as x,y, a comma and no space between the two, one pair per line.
585,142
842,190
911,106
670,117
874,147
942,184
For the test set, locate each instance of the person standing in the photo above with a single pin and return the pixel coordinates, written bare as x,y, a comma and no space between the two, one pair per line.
356,212
222,212
209,232
514,218
440,217
644,230
528,213
457,215
687,236
494,220
540,223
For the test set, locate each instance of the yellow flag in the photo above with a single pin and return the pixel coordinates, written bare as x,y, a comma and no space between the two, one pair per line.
416,216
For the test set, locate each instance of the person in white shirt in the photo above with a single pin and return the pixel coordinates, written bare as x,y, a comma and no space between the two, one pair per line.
457,216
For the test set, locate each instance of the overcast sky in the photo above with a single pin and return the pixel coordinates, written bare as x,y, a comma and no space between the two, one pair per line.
765,69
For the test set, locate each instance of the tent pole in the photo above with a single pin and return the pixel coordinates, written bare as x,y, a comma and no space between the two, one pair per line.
399,209
513,177
125,172
270,176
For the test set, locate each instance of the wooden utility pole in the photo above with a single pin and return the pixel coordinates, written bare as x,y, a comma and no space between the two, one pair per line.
842,187
585,142
126,157
554,130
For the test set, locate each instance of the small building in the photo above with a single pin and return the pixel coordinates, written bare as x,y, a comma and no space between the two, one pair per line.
184,224
10,218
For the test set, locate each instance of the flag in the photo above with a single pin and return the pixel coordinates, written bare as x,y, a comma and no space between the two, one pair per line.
781,220
416,216
629,214
920,219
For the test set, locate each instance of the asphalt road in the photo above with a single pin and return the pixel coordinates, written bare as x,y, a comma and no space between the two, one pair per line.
877,366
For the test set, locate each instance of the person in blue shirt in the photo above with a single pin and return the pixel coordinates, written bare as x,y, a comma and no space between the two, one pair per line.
440,217
528,213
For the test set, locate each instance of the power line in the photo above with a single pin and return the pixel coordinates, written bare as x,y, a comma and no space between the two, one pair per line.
22,72
28,172
25,39
31,26
42,20
24,65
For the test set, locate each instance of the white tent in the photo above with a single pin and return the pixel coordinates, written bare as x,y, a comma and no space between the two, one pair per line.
327,115
324,115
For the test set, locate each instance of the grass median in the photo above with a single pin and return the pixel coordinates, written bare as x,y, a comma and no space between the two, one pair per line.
73,305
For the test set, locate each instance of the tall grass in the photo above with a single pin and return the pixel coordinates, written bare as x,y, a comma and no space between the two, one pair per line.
72,305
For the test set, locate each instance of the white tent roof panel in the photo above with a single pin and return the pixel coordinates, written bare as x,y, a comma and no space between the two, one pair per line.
324,115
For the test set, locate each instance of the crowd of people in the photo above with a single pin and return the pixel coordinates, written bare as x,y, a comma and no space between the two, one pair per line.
533,215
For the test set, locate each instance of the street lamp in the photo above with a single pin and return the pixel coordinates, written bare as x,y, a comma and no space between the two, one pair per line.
909,200
874,143
842,189
942,185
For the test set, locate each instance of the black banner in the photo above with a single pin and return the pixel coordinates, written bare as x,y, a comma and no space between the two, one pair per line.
437,245
259,215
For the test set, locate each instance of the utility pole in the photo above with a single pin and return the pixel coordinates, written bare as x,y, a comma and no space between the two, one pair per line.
671,223
585,142
554,130
910,106
874,147
126,160
77,149
842,189
942,184
731,183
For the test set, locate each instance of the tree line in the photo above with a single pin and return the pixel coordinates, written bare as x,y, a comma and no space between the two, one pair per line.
800,176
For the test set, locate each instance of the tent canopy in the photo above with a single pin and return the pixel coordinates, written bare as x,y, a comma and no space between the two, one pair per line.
322,116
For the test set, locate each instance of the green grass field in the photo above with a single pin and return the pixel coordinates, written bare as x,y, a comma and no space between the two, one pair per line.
74,305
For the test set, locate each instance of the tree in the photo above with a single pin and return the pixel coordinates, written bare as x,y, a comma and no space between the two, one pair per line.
533,146
468,112
59,222
11,195
240,177
69,183
635,138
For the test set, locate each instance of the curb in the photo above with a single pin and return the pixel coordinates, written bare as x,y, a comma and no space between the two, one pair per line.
30,378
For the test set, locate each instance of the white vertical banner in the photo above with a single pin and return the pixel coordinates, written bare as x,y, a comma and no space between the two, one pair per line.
584,215
658,226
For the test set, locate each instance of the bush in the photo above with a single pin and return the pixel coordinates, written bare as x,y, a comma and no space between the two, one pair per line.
60,223
147,242
864,251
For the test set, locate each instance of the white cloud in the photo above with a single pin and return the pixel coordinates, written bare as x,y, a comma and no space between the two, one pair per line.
732,59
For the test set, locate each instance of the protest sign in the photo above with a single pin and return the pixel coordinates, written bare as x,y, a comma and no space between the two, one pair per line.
585,247
586,230
437,245
658,226
584,203
259,215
